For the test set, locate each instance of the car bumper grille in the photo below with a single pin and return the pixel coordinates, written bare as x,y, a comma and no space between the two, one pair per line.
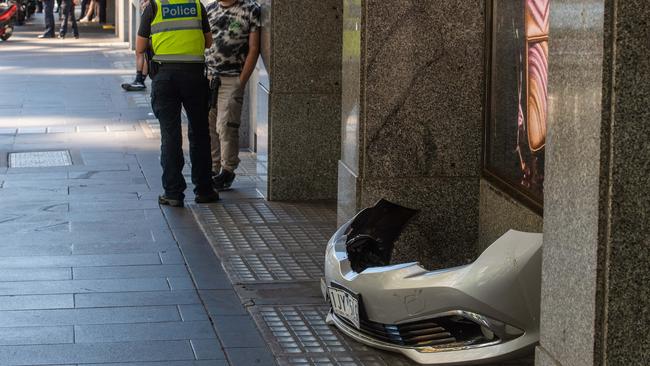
416,334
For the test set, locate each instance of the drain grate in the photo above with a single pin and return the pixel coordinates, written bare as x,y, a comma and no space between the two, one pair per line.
281,238
275,267
39,159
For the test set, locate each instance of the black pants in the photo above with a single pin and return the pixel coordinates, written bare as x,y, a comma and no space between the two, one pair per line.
49,18
173,86
84,7
68,14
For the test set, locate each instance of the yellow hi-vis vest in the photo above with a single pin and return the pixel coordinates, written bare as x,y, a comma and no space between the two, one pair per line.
177,32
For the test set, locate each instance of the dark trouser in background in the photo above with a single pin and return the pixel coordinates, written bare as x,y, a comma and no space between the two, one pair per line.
68,14
49,18
175,85
84,7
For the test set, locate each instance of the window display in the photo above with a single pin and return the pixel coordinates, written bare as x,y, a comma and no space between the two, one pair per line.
515,133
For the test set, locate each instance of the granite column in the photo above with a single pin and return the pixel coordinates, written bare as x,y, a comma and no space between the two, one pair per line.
413,94
596,265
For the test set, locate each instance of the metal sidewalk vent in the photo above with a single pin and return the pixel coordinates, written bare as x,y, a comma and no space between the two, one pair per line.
39,159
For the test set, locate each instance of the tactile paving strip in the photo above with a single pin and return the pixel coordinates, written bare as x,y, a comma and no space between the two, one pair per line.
39,159
281,238
265,213
257,267
345,360
301,330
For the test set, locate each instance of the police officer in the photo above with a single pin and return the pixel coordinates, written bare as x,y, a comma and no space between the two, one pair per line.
180,33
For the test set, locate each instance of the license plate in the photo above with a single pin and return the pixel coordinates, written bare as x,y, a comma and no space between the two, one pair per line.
345,304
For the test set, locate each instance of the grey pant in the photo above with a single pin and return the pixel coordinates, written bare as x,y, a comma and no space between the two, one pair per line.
225,119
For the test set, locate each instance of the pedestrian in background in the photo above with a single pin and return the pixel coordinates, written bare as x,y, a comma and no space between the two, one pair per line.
235,26
141,63
84,8
68,14
179,35
49,19
92,13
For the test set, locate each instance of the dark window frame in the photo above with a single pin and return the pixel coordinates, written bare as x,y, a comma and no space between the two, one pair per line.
517,192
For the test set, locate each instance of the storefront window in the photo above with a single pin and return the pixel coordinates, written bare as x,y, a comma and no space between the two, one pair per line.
515,134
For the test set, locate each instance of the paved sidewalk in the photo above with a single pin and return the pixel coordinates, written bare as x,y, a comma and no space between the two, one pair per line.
92,270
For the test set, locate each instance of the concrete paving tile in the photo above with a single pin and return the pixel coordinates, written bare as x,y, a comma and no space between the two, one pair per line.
152,271
17,175
30,130
70,168
195,247
34,249
117,299
237,331
19,205
155,228
102,197
34,237
121,128
114,234
258,356
37,302
36,335
106,154
144,332
36,184
31,192
28,228
61,129
115,315
102,178
172,256
210,277
35,274
207,349
222,302
83,286
190,313
91,129
166,363
179,218
80,260
112,206
143,215
121,247
157,190
94,189
180,283
96,352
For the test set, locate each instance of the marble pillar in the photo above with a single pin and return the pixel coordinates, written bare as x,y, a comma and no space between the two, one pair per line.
596,262
304,100
412,111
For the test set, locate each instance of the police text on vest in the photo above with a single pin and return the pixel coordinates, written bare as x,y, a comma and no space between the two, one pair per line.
172,11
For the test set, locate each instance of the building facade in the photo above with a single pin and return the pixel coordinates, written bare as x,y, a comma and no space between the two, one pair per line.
486,115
